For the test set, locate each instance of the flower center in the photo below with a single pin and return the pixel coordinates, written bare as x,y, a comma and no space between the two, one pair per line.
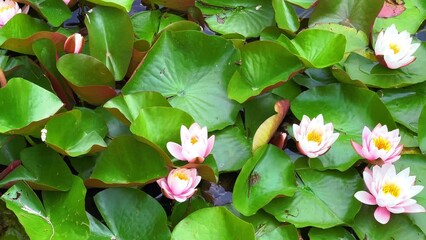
382,143
5,8
194,140
395,48
181,176
392,189
314,136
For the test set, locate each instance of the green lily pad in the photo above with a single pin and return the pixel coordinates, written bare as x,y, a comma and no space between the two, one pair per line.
225,226
56,12
22,31
245,17
330,233
268,174
42,168
303,3
406,104
323,199
160,125
182,5
119,163
98,231
285,15
76,132
146,24
374,74
183,209
88,77
10,147
108,43
169,69
124,5
261,68
359,14
25,106
127,208
127,107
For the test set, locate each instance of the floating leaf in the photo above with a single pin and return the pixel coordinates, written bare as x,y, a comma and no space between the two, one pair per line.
86,128
285,15
128,208
169,69
331,233
10,147
124,5
181,5
56,12
25,106
225,226
270,173
108,43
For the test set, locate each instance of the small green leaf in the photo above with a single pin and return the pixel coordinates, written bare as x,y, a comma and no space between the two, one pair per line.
124,5
285,15
56,12
10,147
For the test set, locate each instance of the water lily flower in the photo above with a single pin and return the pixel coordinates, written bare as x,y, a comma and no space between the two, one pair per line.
8,9
395,50
313,137
379,143
390,191
195,145
74,43
66,2
180,184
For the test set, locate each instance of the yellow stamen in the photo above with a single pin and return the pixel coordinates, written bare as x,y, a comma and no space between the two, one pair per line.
382,143
392,189
314,136
194,140
5,8
395,48
181,176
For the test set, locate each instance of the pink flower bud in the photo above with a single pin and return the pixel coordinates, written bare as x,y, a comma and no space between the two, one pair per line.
74,43
180,184
195,145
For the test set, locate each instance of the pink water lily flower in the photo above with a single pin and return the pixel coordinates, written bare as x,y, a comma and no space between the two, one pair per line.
393,49
390,191
8,9
313,137
379,143
180,184
195,145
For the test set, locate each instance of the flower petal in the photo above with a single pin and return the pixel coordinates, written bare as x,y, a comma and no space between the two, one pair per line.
365,198
175,150
382,215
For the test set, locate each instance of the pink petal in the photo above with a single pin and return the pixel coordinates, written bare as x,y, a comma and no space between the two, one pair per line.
415,208
175,150
365,198
210,143
357,147
382,215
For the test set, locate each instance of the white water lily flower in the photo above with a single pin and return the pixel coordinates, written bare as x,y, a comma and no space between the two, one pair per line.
395,50
390,191
8,9
313,137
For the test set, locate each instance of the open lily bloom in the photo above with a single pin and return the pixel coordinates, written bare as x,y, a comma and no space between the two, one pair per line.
195,145
8,9
313,137
395,50
379,143
390,191
180,184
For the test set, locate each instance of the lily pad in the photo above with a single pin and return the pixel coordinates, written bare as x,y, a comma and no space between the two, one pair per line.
56,12
183,66
124,5
25,106
285,15
76,132
268,174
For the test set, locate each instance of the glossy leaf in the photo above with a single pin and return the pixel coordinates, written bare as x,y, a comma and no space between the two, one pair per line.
245,17
357,13
42,168
231,149
323,199
268,174
168,69
363,107
108,43
126,211
406,104
124,5
120,163
160,125
22,31
56,12
182,210
87,129
225,226
88,77
285,15
25,106
374,74
261,68
127,107
146,24
331,233
10,147
98,231
182,5
303,3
